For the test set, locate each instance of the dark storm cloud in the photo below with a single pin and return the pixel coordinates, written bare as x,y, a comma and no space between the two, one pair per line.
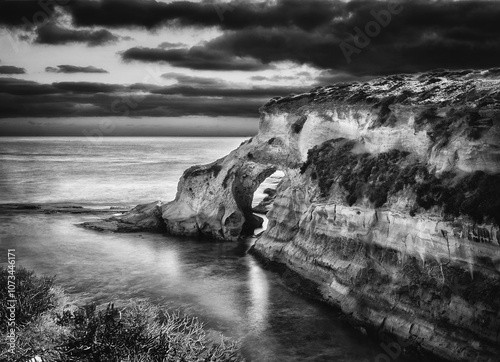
273,45
193,86
233,15
151,105
197,57
74,69
424,35
256,92
21,98
22,87
25,13
10,69
55,35
161,105
419,36
88,87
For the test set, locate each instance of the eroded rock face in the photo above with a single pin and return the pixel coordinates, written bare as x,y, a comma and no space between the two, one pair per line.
216,200
390,204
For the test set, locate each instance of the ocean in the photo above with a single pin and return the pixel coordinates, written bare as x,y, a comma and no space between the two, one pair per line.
216,281
110,171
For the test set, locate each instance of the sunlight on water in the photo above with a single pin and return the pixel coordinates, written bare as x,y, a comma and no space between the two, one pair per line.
259,296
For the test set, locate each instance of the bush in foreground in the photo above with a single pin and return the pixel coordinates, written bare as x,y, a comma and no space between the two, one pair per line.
56,330
141,332
34,296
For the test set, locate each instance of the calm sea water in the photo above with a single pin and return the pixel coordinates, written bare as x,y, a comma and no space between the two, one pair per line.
114,171
218,282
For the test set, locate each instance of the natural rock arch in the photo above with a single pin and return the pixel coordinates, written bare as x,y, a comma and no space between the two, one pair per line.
215,200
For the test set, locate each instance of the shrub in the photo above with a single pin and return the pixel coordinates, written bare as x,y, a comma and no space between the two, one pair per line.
141,331
58,331
476,195
361,175
377,177
34,296
37,301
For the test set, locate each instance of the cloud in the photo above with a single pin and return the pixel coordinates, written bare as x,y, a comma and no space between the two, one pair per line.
22,87
96,127
21,98
194,80
74,69
149,14
80,105
236,14
88,87
25,14
279,78
9,69
422,36
197,57
425,35
255,92
194,86
168,45
278,45
56,35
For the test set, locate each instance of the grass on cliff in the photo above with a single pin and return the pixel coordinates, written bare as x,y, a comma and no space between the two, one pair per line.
378,177
47,325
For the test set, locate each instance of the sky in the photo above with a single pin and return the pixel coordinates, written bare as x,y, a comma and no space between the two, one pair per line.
151,67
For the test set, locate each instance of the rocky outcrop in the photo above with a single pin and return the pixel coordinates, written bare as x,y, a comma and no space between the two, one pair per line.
389,208
146,217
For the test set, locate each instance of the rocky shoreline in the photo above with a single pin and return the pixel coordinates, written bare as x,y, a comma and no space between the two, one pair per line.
389,208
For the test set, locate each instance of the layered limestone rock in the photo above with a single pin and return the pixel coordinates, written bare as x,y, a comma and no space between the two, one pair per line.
389,207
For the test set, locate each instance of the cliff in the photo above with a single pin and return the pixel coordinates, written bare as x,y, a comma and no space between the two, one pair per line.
389,208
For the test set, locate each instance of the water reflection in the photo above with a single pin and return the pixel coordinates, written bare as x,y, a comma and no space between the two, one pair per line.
218,282
259,297
169,263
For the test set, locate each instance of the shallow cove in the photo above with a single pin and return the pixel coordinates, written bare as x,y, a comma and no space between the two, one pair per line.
218,282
